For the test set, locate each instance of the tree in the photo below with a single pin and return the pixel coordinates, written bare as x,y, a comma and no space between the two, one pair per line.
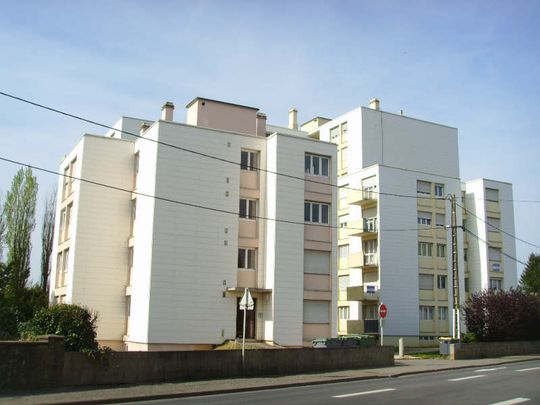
2,229
19,215
503,315
530,278
47,234
75,323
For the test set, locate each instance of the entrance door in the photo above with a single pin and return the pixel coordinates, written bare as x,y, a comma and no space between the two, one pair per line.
250,320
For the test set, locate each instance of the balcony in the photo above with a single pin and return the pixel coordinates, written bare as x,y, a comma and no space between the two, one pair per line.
362,293
363,260
362,326
364,227
365,198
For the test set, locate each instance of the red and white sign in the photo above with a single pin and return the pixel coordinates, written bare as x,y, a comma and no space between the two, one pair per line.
383,311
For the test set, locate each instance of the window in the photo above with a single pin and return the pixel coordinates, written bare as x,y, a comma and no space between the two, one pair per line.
494,254
426,313
65,262
343,282
424,249
249,160
135,169
370,224
248,208
369,248
495,284
465,252
370,289
316,311
66,183
441,282
440,220
316,262
423,187
343,159
371,312
441,250
439,190
133,216
316,213
128,306
492,194
62,225
246,258
343,220
344,130
343,312
130,264
59,273
316,165
69,210
496,266
494,224
443,313
344,251
425,281
424,218
334,134
466,285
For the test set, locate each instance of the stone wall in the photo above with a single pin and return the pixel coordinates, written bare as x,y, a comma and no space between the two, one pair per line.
29,365
461,351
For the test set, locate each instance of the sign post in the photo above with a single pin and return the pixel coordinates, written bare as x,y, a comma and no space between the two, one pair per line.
247,304
383,311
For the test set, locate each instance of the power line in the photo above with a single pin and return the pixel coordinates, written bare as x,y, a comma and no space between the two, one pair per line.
499,229
206,155
488,245
173,201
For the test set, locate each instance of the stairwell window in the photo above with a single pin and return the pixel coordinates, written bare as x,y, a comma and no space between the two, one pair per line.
316,212
248,208
316,165
249,160
246,258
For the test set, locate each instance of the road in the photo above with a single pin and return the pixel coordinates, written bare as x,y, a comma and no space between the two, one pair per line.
503,385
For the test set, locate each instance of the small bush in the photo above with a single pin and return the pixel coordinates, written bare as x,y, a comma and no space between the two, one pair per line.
75,323
503,316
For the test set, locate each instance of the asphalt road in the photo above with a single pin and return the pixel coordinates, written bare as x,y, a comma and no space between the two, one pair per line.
514,383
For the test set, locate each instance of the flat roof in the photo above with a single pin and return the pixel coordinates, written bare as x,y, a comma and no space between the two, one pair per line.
219,101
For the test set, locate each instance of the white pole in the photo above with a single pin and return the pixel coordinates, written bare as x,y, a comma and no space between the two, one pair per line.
244,328
382,333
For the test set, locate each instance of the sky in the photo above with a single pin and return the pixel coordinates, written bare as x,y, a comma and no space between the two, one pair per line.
470,65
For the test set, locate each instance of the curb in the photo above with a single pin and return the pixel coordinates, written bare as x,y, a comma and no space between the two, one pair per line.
276,386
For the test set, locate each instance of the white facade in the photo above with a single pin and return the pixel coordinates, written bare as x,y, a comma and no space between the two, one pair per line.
166,272
395,173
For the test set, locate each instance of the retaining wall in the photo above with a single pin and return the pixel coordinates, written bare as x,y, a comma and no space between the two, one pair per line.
47,365
461,351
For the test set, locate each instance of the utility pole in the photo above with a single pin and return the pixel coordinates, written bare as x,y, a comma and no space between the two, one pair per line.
455,273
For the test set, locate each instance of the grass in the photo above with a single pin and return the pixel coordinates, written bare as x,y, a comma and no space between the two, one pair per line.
428,355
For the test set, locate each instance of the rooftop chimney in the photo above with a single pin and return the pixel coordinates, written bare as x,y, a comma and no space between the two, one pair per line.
167,111
374,104
144,127
293,118
260,128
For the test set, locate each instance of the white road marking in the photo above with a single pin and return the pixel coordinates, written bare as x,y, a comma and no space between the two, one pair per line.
512,401
354,394
482,370
528,369
468,378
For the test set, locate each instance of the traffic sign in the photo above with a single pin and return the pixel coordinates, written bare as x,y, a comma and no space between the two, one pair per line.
383,311
247,302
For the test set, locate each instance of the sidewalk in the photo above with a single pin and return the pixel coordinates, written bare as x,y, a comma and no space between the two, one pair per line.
93,395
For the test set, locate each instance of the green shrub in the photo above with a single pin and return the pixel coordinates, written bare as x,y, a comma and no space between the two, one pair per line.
75,323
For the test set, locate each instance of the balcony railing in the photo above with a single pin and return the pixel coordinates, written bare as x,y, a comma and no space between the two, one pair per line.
362,293
367,196
363,227
370,224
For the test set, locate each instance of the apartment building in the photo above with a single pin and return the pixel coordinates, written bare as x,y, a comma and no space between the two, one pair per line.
394,241
191,215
